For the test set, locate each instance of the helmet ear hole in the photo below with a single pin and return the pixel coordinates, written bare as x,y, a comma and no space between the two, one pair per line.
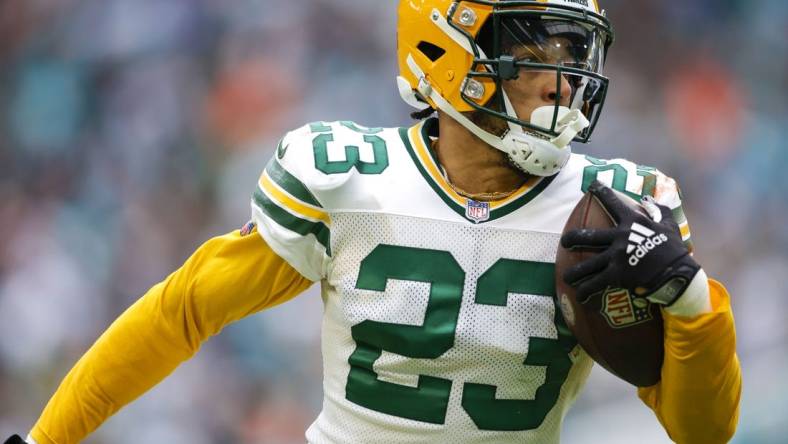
486,37
433,52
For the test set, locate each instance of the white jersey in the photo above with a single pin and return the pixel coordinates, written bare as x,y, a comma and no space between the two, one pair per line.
440,323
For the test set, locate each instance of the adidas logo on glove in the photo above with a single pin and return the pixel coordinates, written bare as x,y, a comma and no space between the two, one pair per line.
641,242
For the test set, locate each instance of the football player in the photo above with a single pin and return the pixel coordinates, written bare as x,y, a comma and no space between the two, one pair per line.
435,247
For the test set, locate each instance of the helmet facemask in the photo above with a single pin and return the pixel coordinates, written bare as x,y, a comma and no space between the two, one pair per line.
517,44
523,40
473,61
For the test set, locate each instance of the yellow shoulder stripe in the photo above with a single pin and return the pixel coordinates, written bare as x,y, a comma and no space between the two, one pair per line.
289,202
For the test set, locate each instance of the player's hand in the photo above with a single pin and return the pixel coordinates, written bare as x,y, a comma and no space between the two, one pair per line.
15,440
643,254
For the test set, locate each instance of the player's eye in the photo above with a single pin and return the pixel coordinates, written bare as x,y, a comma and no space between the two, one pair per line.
572,63
528,59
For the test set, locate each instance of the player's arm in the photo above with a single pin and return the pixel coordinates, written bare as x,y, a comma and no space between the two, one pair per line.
697,399
227,278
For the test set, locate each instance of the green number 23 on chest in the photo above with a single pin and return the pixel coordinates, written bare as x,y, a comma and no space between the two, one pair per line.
428,401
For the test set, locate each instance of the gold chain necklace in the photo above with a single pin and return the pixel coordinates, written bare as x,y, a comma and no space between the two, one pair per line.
481,197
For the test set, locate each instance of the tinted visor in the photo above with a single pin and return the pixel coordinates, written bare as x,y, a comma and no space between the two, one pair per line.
552,42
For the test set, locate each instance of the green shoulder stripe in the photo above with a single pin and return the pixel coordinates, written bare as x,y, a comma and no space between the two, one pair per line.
678,215
291,222
290,184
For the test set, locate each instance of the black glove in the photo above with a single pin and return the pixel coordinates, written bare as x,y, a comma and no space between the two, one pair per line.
642,254
15,440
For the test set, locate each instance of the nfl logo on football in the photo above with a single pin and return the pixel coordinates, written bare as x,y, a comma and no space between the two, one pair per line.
622,310
477,211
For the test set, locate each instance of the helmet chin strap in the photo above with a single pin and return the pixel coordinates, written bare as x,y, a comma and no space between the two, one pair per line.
534,155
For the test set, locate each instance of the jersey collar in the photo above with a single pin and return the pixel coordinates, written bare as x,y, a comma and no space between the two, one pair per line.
417,141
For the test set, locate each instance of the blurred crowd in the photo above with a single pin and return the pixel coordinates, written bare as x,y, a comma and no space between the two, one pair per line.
133,130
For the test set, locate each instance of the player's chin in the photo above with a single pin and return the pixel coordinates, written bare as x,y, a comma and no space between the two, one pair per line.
488,122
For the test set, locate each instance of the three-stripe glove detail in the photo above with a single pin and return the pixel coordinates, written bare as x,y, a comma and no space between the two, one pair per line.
643,254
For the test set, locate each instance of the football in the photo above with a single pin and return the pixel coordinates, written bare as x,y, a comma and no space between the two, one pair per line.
622,333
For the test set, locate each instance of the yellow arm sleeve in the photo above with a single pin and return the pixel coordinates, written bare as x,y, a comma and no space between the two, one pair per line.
227,278
697,400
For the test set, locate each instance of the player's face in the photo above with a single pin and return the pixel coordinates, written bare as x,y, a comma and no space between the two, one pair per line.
535,88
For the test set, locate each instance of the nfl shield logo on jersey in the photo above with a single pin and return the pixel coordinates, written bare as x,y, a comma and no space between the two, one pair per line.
477,211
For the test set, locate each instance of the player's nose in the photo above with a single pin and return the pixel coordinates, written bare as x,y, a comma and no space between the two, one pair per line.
551,88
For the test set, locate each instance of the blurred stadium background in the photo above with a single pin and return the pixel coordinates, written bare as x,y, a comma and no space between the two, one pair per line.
132,130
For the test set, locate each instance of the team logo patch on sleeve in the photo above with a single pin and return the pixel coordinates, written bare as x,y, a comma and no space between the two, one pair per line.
477,211
621,310
247,229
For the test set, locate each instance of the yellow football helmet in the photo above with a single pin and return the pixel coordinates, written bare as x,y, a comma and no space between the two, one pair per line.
455,55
